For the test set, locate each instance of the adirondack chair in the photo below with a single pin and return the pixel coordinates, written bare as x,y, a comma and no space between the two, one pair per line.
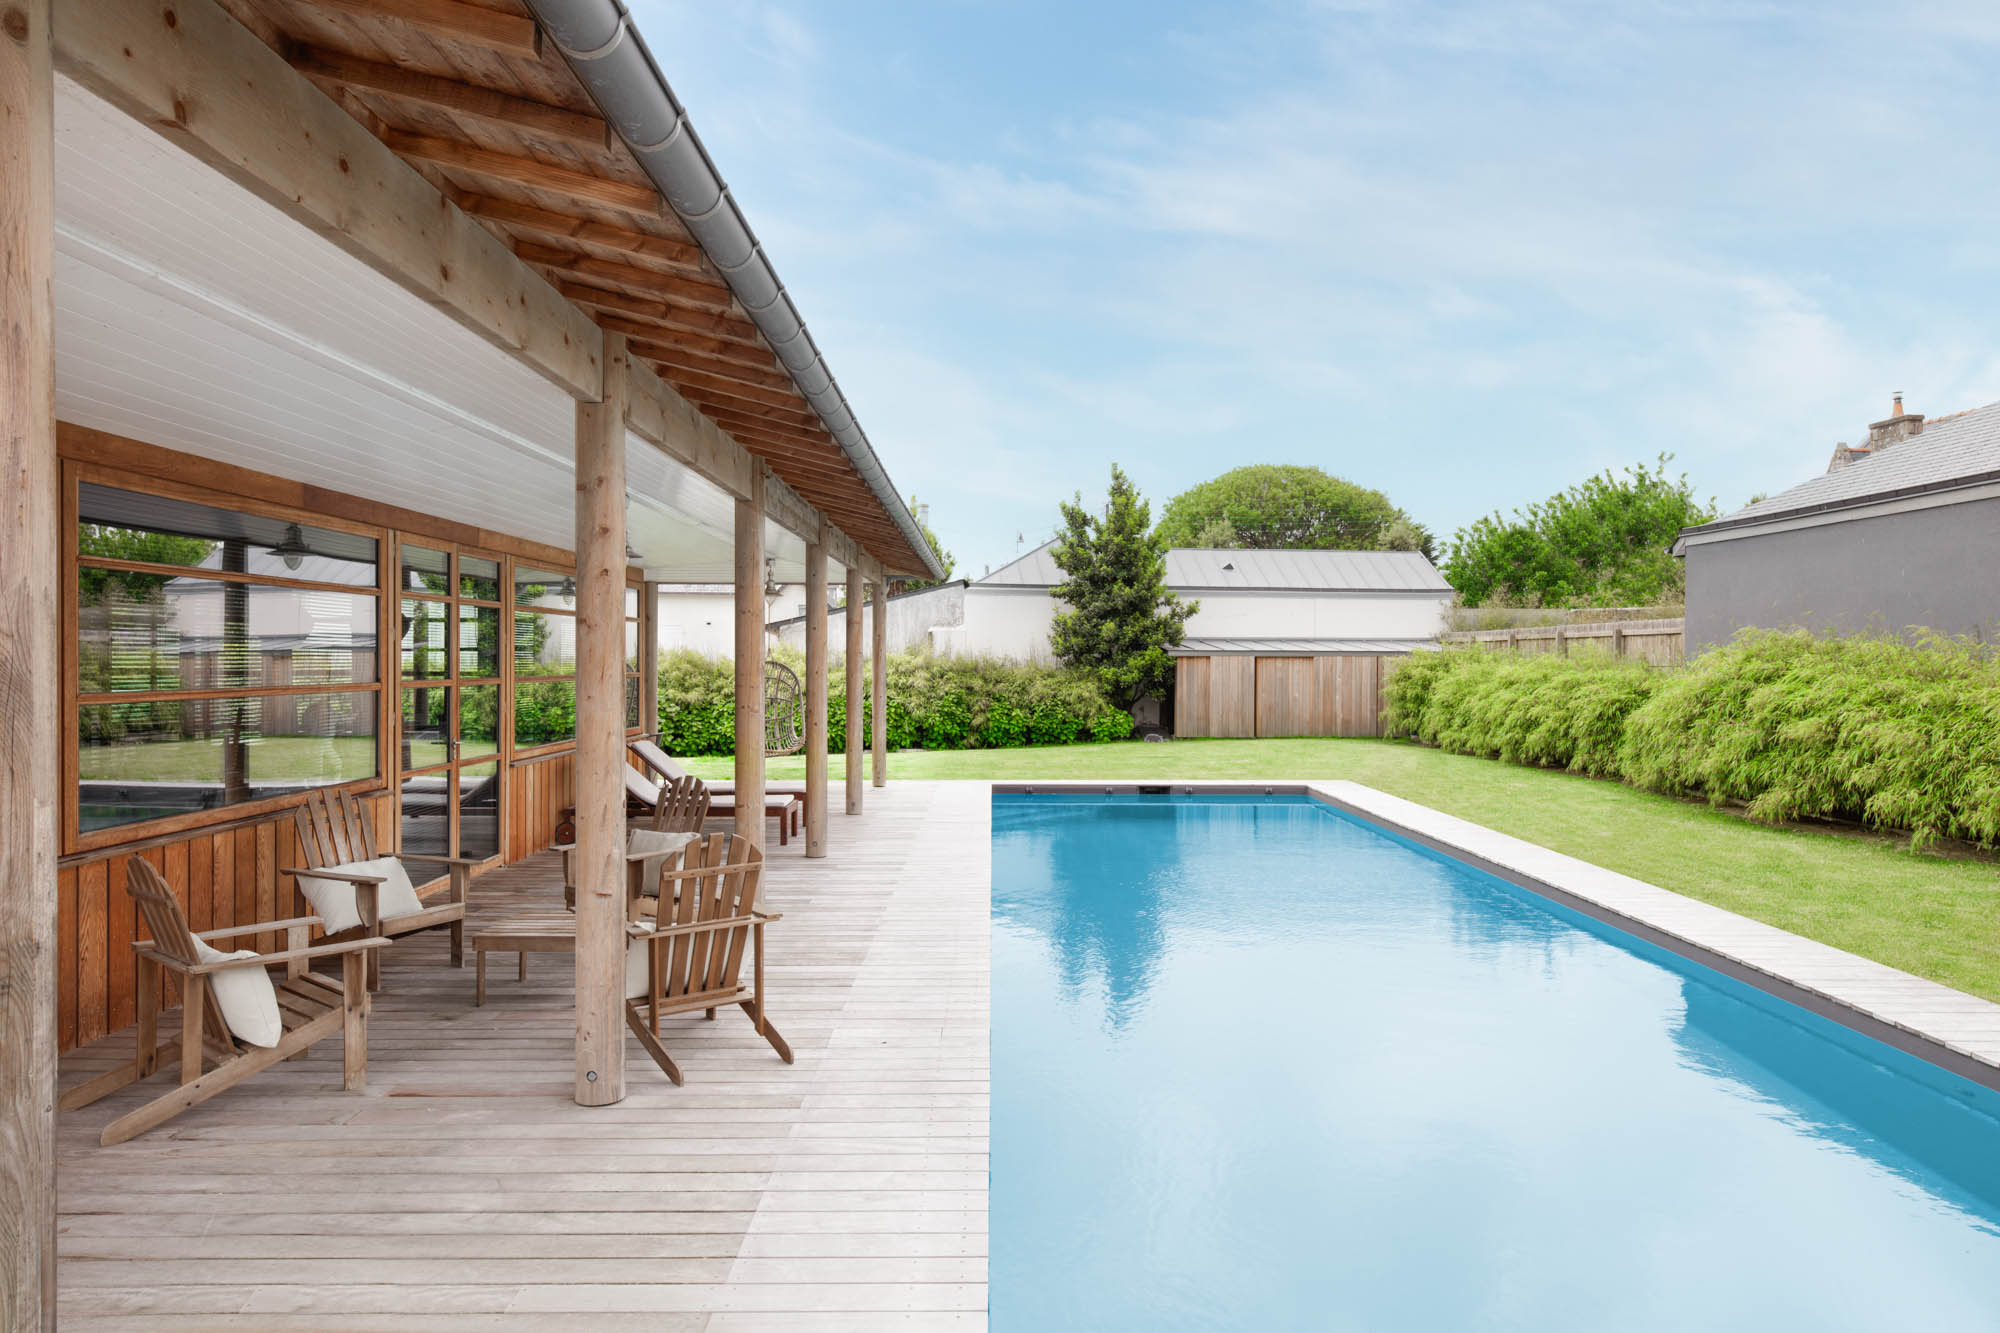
335,829
309,1007
708,913
681,807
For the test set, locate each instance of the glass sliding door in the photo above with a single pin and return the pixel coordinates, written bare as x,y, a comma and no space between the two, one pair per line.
449,734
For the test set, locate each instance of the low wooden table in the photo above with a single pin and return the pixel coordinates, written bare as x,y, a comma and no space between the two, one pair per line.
543,932
552,931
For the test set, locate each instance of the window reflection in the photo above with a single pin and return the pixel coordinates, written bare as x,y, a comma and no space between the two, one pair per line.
147,759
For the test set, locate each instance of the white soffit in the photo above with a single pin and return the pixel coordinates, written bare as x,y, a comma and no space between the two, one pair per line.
192,315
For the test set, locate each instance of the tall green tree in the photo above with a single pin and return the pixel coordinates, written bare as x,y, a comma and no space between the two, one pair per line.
1121,616
1284,506
1600,543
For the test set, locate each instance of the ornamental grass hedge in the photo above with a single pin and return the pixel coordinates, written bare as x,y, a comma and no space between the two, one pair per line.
934,703
1897,735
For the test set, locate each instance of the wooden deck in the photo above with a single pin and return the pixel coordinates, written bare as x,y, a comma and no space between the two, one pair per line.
465,1190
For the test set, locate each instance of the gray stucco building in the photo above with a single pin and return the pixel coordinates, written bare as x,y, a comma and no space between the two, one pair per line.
1900,533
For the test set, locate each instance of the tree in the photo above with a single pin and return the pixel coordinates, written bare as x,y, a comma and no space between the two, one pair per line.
1282,506
944,557
1601,543
1122,617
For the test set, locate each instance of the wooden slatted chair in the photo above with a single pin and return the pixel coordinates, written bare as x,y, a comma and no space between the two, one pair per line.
682,806
335,829
647,750
310,1007
708,917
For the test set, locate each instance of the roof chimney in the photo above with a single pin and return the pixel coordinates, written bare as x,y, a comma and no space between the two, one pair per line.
1897,426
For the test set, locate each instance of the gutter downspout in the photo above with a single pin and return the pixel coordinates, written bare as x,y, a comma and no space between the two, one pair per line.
606,53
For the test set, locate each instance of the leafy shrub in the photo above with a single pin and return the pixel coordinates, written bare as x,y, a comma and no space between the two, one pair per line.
935,703
1893,734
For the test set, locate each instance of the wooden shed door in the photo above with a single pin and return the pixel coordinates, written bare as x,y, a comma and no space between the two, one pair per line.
1287,697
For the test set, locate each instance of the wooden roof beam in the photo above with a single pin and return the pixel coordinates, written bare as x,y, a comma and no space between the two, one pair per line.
686,360
275,134
788,399
697,292
657,334
657,311
569,226
507,34
337,69
456,155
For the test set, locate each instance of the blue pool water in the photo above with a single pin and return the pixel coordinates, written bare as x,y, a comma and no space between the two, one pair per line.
1258,1065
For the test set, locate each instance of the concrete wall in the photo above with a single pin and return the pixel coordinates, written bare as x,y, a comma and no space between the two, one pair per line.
1001,622
1937,568
706,621
912,617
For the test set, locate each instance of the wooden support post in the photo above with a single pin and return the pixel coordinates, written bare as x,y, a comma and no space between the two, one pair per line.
649,657
1618,642
856,720
881,659
1562,642
599,861
29,780
750,612
816,699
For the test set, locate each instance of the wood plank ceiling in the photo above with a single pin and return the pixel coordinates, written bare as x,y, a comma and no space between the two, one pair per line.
472,97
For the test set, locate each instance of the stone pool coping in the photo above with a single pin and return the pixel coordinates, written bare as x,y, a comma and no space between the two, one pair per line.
1948,1028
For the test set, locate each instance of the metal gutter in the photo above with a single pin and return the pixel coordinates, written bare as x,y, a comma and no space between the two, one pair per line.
604,50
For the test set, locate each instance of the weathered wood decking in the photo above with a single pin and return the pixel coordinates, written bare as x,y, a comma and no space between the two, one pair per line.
465,1189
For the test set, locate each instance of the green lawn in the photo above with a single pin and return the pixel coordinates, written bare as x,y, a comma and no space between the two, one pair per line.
1935,916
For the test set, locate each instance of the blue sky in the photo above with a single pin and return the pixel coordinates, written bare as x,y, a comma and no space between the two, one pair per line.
1467,253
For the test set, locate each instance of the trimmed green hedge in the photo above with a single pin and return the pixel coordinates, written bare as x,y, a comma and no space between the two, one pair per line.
934,703
1893,734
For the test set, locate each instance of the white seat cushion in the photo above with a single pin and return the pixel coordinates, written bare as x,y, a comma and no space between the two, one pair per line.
333,900
244,996
665,845
635,969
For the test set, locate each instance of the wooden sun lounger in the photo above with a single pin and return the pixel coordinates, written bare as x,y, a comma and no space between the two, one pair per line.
666,768
310,1007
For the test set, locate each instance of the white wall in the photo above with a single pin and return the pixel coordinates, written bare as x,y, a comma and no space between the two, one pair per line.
1298,615
1014,622
1001,622
703,621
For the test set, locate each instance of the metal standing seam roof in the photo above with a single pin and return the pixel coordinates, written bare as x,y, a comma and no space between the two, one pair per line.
1255,571
1300,647
1950,449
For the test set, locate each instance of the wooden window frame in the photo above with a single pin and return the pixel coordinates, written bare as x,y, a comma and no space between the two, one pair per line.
75,473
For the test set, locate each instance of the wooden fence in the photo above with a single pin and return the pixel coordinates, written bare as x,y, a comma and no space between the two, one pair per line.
1657,641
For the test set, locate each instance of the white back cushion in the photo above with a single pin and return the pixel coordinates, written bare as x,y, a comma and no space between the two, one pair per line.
244,996
664,845
333,900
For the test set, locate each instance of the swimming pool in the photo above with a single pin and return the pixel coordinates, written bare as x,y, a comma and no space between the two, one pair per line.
1261,1065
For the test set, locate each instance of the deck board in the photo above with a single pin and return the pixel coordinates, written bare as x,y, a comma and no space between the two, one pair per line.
464,1189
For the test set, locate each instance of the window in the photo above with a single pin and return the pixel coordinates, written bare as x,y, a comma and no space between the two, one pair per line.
545,657
222,656
449,701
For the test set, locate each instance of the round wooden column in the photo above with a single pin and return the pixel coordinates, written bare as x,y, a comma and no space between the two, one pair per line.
29,674
856,603
881,656
600,736
750,611
816,699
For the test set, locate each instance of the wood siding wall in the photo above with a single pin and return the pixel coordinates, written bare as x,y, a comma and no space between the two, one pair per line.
222,876
1246,696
